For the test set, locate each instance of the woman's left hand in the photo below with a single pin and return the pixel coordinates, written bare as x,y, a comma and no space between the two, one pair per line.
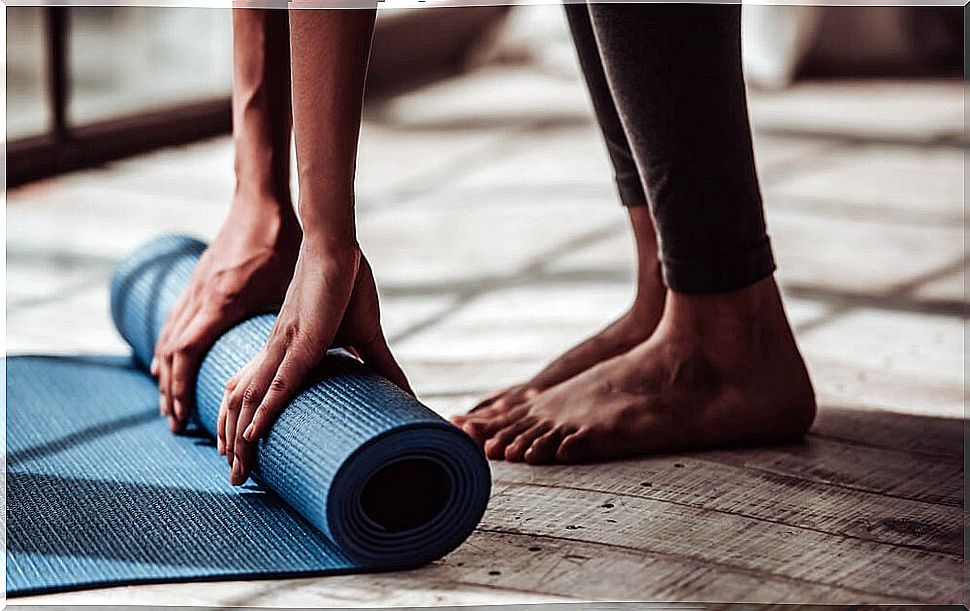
332,302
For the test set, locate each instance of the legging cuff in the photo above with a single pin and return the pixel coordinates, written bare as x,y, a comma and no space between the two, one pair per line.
721,275
630,190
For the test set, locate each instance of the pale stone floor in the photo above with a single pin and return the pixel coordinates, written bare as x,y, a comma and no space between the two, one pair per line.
488,212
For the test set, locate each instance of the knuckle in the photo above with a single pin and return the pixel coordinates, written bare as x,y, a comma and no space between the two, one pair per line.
279,384
287,334
187,347
249,394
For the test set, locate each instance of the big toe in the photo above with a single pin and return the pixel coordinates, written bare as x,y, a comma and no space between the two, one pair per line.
480,429
574,448
482,426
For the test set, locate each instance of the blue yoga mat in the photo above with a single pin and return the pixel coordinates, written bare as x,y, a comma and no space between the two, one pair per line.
355,475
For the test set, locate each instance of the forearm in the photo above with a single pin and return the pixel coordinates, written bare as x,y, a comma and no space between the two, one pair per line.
330,49
261,116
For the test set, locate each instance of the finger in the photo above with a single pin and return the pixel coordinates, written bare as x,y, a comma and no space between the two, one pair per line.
164,366
183,368
173,423
288,378
223,410
221,426
194,341
233,405
378,355
244,463
252,398
185,310
168,330
164,406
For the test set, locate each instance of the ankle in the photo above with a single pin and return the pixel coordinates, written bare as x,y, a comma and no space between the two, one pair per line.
741,315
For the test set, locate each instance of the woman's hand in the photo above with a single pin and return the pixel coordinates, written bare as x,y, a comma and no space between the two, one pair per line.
332,302
245,270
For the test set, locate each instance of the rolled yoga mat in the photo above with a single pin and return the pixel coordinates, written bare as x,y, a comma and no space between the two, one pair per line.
355,475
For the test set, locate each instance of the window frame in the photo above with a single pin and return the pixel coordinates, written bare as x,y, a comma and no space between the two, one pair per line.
64,146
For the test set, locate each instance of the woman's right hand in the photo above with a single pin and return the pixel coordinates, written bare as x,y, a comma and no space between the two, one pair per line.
332,302
246,270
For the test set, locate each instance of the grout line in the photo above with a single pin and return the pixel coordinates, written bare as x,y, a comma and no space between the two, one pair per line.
465,295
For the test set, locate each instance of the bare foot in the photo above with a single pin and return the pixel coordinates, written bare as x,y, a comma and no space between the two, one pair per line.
621,335
719,370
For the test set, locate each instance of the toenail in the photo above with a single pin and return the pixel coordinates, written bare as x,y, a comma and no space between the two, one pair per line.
646,484
534,548
607,505
678,465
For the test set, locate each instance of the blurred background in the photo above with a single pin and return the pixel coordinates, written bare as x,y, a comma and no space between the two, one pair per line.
485,197
71,71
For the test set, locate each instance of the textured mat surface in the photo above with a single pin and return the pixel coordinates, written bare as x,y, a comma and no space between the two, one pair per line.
355,475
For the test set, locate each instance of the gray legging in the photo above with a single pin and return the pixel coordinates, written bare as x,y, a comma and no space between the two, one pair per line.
669,96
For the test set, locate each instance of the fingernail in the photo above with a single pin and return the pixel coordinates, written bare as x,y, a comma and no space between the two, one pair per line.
248,433
153,368
219,447
178,409
236,473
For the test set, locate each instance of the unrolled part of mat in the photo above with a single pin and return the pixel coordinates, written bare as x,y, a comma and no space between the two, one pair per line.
381,475
355,474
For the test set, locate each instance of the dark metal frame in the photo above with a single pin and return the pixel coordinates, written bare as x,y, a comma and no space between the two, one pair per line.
446,36
67,147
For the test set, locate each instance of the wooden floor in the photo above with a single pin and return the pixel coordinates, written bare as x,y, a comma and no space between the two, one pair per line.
488,213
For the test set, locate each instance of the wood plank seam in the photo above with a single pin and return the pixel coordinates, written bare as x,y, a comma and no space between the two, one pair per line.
694,561
905,452
703,508
942,501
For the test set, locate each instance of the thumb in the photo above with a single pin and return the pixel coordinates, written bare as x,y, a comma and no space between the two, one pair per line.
377,355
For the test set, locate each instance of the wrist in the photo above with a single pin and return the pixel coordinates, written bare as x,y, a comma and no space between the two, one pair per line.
256,197
261,221
329,224
332,248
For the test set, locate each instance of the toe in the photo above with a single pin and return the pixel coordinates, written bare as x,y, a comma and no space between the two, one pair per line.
477,415
483,425
543,449
495,446
515,396
479,429
574,448
489,399
515,451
